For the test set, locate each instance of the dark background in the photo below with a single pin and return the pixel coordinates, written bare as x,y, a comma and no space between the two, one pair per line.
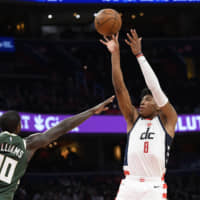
59,66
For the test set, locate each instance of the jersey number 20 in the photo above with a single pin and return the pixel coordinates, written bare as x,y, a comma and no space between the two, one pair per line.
7,168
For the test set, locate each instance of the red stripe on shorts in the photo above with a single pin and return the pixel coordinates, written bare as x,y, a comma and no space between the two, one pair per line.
163,177
126,173
164,185
164,195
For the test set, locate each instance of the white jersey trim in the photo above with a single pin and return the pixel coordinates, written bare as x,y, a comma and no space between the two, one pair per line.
6,132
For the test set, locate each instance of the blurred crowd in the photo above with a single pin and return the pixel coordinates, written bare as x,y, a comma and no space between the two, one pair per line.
184,187
71,188
100,187
56,77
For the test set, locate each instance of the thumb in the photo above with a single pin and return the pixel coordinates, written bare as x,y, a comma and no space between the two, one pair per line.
140,39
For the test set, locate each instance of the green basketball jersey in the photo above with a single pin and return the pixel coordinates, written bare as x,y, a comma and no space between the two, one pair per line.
13,163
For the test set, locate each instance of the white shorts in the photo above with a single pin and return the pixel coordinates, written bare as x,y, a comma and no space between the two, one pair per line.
137,188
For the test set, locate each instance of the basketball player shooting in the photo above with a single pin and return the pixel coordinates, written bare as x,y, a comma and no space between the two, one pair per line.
15,152
150,130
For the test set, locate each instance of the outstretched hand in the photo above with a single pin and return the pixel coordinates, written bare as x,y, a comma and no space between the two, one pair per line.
134,42
112,44
103,106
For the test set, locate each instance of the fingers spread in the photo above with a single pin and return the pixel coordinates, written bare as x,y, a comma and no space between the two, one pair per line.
134,34
109,100
106,38
103,42
117,36
127,42
114,38
112,98
129,37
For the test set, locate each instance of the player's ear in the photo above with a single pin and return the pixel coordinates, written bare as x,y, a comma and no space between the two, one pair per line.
18,128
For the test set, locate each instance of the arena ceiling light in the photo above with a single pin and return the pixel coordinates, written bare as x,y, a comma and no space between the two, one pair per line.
50,16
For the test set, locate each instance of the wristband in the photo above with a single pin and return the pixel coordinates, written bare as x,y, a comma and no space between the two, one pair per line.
139,54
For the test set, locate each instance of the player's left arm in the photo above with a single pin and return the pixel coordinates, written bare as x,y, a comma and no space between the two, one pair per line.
168,113
169,117
38,140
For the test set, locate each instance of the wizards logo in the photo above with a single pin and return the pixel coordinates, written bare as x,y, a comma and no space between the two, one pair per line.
147,135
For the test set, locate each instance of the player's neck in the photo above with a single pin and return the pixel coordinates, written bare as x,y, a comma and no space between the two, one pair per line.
150,117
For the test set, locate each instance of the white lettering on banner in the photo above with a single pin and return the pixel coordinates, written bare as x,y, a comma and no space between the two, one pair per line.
188,123
51,122
6,44
39,123
191,122
180,125
24,121
198,119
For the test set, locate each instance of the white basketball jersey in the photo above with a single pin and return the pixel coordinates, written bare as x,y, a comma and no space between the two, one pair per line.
147,149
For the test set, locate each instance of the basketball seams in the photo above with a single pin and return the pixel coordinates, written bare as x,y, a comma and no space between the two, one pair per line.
98,23
110,12
114,22
107,22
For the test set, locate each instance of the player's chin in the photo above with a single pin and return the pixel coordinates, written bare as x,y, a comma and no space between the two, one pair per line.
143,113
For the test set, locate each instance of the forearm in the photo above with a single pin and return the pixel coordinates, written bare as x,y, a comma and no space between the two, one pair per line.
117,76
38,140
66,125
152,81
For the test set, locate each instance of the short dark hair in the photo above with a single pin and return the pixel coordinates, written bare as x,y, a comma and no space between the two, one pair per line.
145,91
9,121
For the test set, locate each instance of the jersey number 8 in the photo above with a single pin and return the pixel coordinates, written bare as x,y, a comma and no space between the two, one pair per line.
146,147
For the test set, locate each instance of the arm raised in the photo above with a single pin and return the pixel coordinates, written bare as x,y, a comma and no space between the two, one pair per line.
168,112
38,140
128,110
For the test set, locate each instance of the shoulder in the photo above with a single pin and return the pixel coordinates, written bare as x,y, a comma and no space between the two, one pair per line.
169,115
32,140
168,127
6,134
132,125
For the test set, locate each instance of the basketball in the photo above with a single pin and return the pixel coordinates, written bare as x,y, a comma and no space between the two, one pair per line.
108,22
